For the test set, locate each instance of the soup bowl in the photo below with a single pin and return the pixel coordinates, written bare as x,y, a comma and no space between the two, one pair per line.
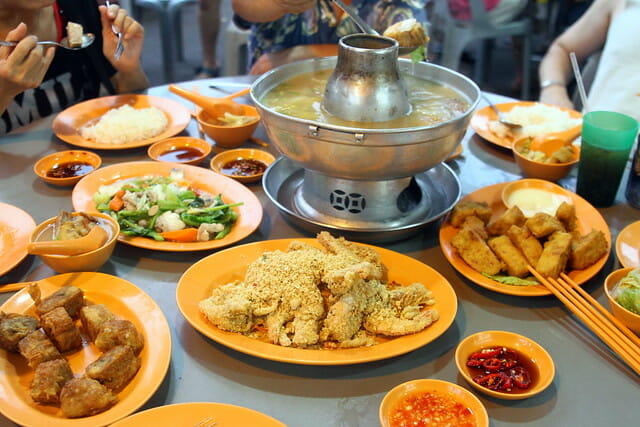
229,136
542,170
630,319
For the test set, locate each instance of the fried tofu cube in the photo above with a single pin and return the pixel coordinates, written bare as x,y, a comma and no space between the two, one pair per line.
119,332
542,225
115,368
588,249
555,255
69,297
93,317
510,255
512,216
566,214
530,247
49,379
61,329
38,348
14,327
475,223
475,252
465,209
81,397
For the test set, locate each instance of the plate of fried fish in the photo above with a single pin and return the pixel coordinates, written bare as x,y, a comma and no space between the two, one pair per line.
323,301
491,245
85,349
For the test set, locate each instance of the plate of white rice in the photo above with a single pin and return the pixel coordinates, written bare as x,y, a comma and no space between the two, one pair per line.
121,122
536,119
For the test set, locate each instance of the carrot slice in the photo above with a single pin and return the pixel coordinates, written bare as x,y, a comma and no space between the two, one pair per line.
185,235
116,202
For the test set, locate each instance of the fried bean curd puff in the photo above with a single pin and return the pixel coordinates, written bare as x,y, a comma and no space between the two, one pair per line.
464,209
512,216
475,252
555,255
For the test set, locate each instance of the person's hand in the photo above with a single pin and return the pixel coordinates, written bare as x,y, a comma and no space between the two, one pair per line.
556,95
132,37
295,6
22,66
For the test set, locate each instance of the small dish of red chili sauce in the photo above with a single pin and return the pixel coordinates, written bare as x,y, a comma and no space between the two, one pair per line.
502,369
66,168
432,403
504,364
242,164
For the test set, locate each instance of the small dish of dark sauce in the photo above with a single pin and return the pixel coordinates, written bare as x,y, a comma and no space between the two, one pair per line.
181,154
69,169
243,167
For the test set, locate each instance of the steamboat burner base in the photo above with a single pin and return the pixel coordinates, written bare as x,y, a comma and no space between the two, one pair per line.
396,211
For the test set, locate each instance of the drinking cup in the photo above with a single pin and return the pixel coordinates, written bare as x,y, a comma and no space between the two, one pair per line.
607,138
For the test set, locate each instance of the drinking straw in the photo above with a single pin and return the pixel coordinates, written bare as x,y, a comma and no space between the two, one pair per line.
578,76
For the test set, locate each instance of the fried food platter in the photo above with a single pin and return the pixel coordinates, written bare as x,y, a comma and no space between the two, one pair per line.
15,230
231,264
66,125
250,212
126,301
588,218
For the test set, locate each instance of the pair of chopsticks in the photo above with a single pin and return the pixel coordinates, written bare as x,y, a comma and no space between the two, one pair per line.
609,329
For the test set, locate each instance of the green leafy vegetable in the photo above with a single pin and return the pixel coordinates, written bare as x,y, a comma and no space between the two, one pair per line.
627,291
514,281
419,54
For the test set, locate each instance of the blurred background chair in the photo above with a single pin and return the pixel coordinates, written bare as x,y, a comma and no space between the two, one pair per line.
457,34
236,49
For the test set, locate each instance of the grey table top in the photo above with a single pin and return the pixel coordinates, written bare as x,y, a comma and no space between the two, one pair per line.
592,387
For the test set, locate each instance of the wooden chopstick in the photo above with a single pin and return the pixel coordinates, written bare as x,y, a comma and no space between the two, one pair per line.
606,330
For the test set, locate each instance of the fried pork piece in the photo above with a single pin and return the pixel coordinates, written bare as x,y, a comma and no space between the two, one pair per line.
542,225
588,249
512,216
69,297
530,247
61,329
475,252
566,214
115,368
555,255
119,332
93,317
408,33
14,327
38,348
474,223
81,397
49,379
510,255
464,209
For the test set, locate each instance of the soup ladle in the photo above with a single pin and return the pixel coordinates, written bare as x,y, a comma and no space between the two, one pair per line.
87,40
214,107
366,28
95,238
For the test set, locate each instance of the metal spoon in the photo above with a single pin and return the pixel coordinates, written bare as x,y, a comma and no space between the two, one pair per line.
87,39
366,28
500,114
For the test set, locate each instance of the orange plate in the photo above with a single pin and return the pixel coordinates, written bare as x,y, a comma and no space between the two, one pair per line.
231,264
127,302
250,213
480,123
66,125
190,414
16,227
628,245
588,218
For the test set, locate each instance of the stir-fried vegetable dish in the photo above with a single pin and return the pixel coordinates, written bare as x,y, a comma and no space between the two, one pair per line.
166,208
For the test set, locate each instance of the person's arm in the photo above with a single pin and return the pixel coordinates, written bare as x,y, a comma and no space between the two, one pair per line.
129,76
269,10
584,37
268,61
21,67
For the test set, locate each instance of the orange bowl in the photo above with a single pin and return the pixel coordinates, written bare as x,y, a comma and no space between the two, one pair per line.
453,391
535,195
182,149
56,161
535,169
630,319
220,160
229,136
534,353
88,261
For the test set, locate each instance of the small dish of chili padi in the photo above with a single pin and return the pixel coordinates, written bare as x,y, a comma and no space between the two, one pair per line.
243,164
66,168
504,364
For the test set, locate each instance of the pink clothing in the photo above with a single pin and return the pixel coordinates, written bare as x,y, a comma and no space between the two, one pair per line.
461,10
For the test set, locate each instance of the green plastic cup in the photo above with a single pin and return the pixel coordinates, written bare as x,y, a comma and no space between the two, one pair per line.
607,138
